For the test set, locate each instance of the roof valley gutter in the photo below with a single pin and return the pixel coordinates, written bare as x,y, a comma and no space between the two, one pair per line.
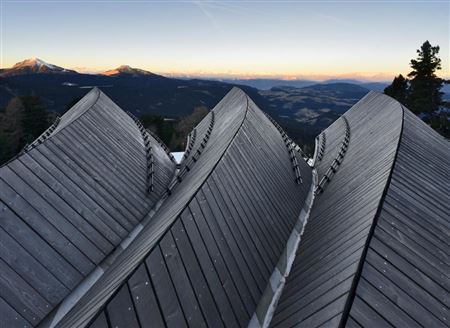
54,317
84,321
357,277
313,160
269,300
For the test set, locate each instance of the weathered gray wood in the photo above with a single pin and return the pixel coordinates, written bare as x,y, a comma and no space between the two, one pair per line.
144,299
38,247
407,262
100,321
197,276
68,201
121,311
10,318
177,271
342,216
21,296
164,289
45,229
221,228
58,180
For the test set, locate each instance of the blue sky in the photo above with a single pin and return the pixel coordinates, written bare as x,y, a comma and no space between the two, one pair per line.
290,39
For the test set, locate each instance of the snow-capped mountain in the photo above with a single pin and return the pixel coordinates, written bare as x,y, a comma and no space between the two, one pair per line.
127,70
33,66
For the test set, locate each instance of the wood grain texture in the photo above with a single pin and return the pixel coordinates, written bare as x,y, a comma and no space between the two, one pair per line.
219,235
327,259
405,278
69,200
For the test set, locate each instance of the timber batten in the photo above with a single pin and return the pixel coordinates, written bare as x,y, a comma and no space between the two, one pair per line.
99,229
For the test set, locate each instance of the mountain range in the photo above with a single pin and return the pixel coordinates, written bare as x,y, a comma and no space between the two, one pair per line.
267,84
303,107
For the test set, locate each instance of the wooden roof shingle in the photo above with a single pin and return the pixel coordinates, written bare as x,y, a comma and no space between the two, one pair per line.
68,201
207,255
375,249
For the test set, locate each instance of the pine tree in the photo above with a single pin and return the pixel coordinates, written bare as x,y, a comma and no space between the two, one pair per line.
398,89
425,94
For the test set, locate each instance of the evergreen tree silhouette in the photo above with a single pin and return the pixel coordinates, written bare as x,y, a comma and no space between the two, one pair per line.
398,89
425,94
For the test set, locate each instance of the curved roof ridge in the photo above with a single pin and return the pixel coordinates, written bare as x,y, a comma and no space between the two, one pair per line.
63,122
352,292
342,215
83,105
404,279
75,200
85,310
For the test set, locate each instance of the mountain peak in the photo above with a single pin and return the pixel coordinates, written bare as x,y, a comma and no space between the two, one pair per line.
30,62
127,70
33,66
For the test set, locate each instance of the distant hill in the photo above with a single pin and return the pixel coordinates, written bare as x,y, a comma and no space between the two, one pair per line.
302,111
34,66
267,84
314,107
127,70
133,89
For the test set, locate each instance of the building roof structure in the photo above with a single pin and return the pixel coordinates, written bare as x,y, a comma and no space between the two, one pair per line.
100,229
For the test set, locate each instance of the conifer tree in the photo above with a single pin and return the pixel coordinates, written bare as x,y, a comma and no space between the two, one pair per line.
425,94
398,89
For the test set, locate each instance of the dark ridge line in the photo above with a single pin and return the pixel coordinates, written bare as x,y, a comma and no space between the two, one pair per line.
125,279
358,273
148,154
194,158
336,162
294,162
290,145
42,137
407,292
191,143
322,146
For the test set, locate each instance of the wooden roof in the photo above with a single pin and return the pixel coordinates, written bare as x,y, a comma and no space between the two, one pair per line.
207,255
375,249
68,202
98,229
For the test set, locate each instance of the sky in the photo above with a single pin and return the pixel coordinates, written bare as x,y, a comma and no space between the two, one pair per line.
368,39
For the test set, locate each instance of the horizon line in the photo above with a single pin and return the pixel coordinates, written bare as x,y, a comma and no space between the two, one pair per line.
314,77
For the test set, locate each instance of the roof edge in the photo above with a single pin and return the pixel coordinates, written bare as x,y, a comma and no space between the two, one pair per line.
76,320
88,106
57,128
352,292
